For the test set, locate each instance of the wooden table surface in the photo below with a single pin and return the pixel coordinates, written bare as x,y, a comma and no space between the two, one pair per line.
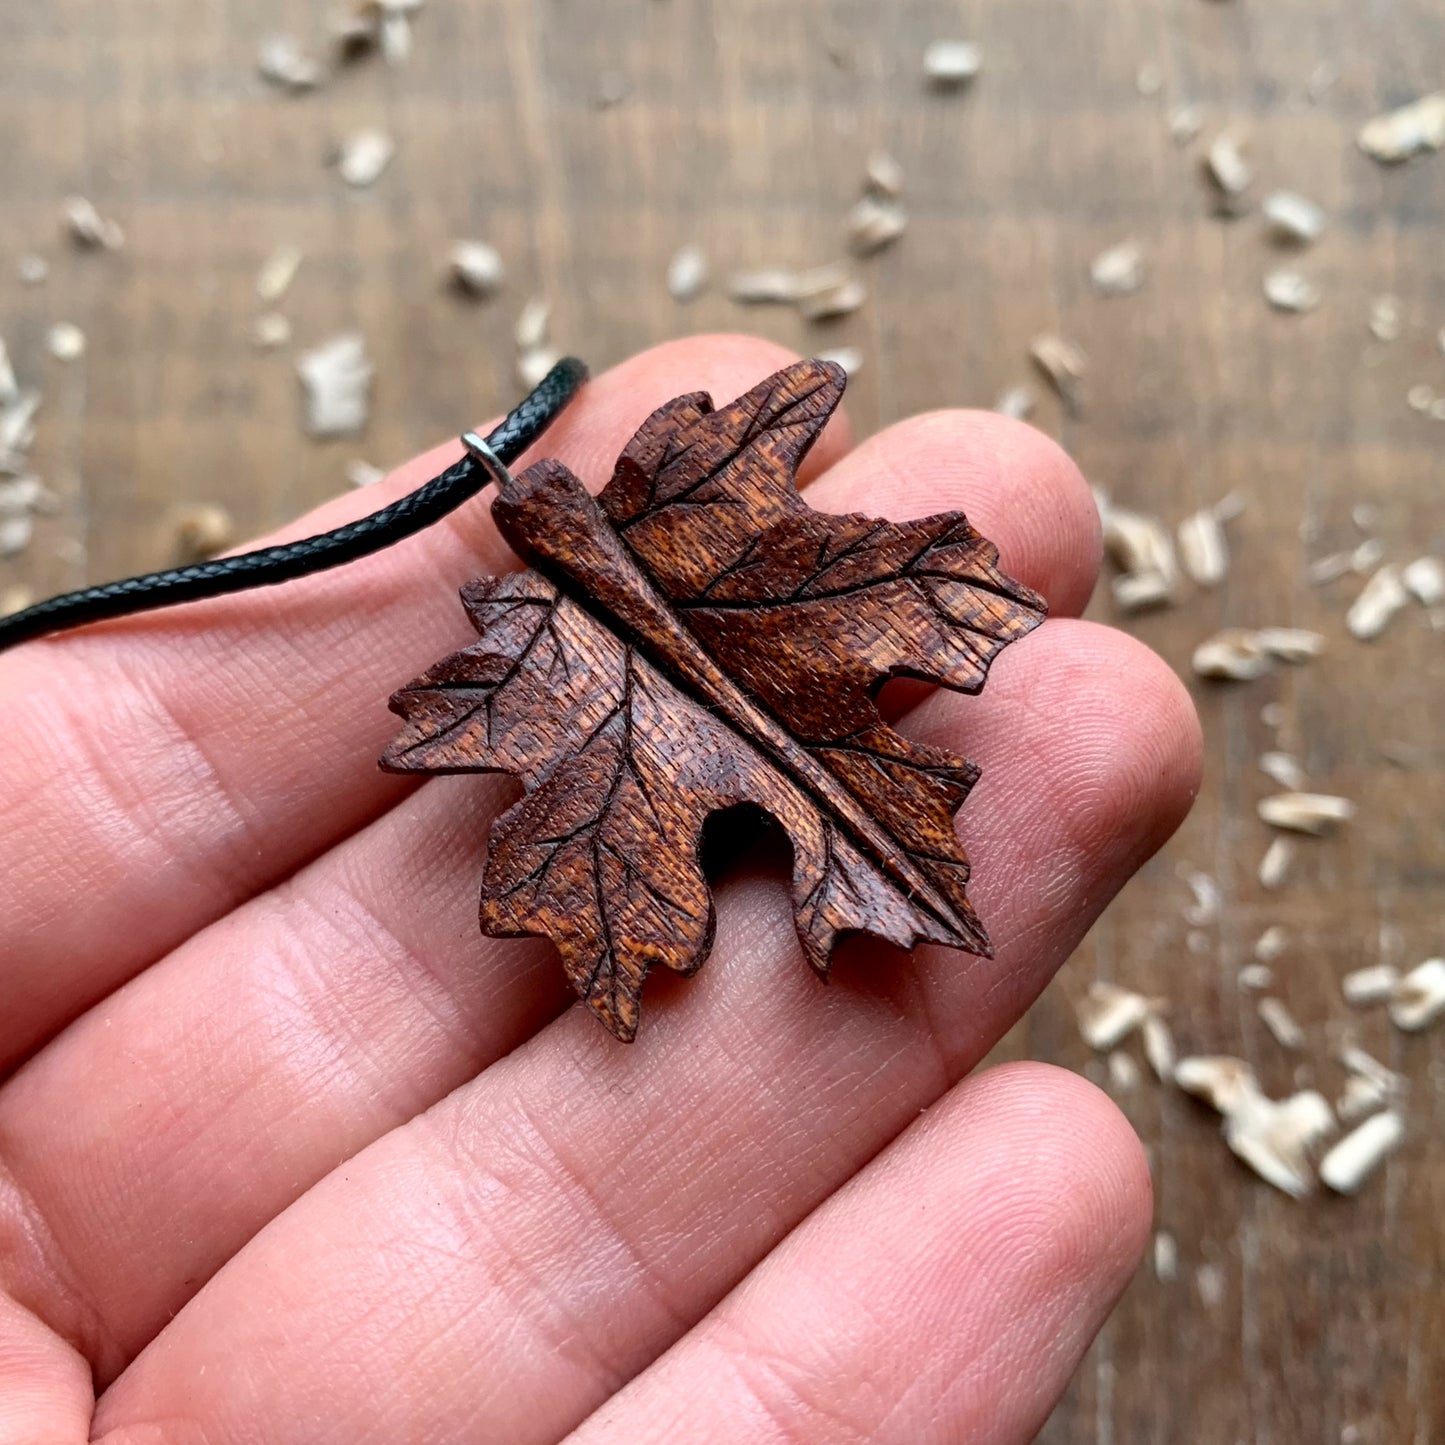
745,127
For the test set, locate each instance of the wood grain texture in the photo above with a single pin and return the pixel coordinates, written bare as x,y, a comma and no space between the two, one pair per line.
745,129
707,640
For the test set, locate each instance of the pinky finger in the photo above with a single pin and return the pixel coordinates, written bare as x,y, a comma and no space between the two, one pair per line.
946,1294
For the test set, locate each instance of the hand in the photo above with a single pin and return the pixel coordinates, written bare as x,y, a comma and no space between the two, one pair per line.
290,1153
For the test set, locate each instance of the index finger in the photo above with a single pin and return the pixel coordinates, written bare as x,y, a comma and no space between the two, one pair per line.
161,770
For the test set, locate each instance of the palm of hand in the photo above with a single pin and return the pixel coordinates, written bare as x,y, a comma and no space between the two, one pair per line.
293,1155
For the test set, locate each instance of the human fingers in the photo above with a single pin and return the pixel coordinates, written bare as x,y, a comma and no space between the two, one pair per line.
542,1234
357,995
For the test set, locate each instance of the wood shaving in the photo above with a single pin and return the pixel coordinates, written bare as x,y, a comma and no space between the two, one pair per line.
1360,1097
1277,1139
88,228
1158,1047
32,270
277,273
1331,568
1418,999
1017,402
1209,1281
1358,1061
1407,131
395,36
1274,1014
764,287
873,223
1141,591
281,60
850,358
1203,548
1366,557
1108,1014
17,428
1370,1085
1141,548
475,268
1166,1257
21,497
1385,320
1229,172
65,341
1364,986
1384,595
1234,655
1271,943
1119,271
1244,654
1284,769
534,363
9,386
336,377
1219,1079
1289,291
828,292
271,331
1255,976
1424,580
361,473
951,64
1185,123
1063,364
204,530
533,323
1274,866
1351,1162
15,598
15,533
1205,908
1293,219
1291,644
1123,1072
363,156
1314,813
687,274
883,176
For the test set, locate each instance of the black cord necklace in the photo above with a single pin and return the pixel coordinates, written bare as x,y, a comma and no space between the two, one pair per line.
485,462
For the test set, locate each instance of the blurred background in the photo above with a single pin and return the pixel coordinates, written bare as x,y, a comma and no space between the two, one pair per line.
589,142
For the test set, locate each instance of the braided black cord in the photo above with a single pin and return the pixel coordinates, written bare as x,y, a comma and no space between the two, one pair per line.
264,568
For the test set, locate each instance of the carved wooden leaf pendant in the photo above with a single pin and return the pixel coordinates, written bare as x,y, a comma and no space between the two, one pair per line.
698,637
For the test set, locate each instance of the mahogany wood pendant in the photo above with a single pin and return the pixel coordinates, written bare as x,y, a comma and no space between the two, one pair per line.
697,637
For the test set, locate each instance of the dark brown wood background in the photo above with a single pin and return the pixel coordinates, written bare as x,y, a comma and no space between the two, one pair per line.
745,128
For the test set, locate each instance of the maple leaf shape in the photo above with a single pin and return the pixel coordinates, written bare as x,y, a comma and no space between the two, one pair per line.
698,637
